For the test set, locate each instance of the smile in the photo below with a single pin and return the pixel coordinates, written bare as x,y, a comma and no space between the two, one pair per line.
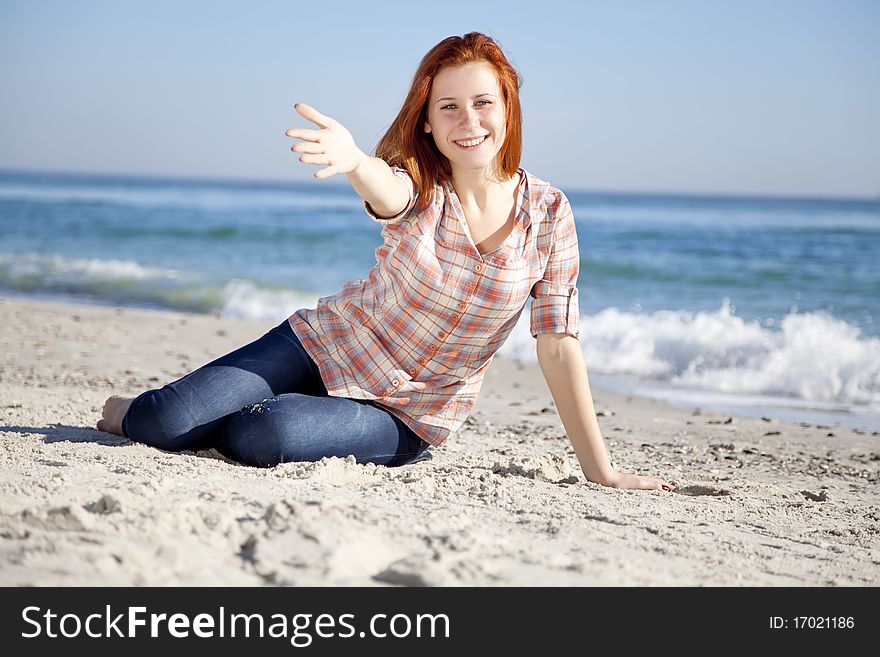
470,144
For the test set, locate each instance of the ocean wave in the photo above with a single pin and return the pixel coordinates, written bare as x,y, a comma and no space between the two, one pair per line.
811,355
125,282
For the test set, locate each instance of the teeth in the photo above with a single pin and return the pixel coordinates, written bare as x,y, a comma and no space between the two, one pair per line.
472,142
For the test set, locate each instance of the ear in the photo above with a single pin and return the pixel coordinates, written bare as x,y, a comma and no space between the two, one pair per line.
427,127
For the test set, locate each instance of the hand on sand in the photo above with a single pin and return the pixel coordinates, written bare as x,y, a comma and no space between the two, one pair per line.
624,480
332,145
113,412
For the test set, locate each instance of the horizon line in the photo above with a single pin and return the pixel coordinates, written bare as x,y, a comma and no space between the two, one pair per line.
338,185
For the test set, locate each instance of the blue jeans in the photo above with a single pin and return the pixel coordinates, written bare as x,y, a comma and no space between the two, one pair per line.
265,404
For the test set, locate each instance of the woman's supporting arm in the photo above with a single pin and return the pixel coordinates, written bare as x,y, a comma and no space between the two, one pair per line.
562,363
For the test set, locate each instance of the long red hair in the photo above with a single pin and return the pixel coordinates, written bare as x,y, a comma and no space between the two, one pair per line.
406,145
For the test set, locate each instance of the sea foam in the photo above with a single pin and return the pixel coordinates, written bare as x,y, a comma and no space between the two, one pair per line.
811,355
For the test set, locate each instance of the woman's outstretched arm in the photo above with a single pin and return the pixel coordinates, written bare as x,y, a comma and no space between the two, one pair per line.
333,147
562,363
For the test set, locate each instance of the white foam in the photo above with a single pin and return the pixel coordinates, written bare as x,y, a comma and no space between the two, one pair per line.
812,357
246,300
126,281
52,269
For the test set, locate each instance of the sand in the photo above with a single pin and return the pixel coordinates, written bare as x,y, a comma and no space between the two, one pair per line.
759,502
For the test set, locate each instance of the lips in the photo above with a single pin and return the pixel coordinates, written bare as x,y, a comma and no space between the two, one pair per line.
469,143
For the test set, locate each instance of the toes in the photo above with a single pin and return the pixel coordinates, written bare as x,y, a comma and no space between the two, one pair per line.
102,425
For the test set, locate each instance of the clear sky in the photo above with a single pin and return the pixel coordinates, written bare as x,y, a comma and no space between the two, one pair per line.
777,98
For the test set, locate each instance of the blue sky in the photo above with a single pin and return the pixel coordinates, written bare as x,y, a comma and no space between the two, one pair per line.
776,98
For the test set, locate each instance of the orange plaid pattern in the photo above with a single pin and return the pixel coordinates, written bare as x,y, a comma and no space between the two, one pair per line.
418,334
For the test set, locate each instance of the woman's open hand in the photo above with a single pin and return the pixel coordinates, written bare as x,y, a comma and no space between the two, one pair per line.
639,482
332,145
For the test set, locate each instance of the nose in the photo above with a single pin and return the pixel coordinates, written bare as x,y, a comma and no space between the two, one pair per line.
470,117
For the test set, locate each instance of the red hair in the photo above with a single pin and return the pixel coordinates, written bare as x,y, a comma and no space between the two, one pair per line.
406,145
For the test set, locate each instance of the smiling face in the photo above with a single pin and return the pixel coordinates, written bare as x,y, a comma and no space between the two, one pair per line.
466,115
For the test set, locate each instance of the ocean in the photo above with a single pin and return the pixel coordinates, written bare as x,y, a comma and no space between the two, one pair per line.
759,306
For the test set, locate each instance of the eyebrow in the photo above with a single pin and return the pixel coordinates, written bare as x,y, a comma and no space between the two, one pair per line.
452,98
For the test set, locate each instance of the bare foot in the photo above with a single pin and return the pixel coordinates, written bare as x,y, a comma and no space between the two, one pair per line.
114,410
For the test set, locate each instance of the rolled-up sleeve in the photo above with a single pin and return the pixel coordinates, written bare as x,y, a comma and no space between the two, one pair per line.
401,173
555,307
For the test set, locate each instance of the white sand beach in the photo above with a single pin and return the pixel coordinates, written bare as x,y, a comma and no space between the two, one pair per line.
759,502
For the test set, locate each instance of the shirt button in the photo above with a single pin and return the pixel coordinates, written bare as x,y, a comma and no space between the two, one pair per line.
412,370
421,361
442,335
478,267
461,306
432,347
455,317
395,383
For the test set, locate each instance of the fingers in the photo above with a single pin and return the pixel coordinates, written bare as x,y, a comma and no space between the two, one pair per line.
313,115
655,483
314,152
307,147
305,134
665,486
315,159
638,482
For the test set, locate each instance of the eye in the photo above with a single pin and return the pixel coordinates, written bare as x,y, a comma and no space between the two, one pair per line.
485,102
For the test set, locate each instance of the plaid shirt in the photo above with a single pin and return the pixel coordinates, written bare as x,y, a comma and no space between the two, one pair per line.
418,335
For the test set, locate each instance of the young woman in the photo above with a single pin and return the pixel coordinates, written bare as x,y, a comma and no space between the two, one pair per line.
393,364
